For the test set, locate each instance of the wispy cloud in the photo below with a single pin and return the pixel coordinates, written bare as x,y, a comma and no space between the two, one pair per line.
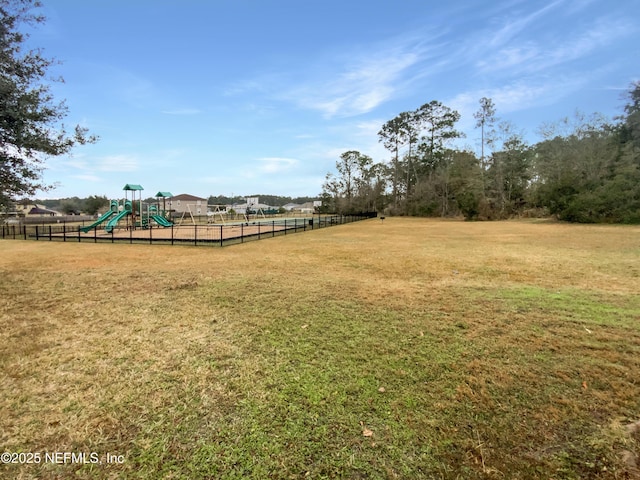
350,83
270,165
87,178
513,97
531,57
514,25
110,163
359,86
117,163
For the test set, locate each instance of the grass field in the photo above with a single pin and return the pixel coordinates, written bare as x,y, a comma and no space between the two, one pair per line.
403,349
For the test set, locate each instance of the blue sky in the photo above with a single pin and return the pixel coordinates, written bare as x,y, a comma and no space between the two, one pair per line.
240,97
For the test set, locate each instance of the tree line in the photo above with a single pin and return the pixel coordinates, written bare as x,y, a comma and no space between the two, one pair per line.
585,168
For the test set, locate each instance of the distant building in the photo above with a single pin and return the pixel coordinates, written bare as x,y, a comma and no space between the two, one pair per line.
307,207
35,210
241,208
185,203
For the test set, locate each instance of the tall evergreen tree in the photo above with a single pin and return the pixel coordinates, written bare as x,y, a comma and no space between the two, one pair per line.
485,117
394,134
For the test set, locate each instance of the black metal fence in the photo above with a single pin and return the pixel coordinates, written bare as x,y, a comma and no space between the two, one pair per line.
214,235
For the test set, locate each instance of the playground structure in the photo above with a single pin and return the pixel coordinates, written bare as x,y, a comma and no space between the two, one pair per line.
176,235
219,213
130,213
214,211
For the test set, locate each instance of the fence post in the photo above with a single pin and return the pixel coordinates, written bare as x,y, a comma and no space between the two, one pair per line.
172,234
273,228
37,232
64,232
95,235
220,235
150,234
242,233
259,223
49,232
195,235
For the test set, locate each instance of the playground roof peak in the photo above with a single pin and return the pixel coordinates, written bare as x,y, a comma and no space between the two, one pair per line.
164,194
131,186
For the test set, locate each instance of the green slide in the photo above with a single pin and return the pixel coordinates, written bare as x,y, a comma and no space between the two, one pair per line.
160,220
114,221
103,218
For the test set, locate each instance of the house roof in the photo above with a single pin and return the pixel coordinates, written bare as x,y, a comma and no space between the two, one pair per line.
41,211
186,196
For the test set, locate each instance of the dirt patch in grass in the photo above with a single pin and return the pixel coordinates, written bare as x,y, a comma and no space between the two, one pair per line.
406,349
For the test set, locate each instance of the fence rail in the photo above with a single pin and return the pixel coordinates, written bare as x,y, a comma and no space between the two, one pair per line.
213,235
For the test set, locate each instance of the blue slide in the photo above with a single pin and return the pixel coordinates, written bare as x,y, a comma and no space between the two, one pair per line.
103,218
160,220
114,221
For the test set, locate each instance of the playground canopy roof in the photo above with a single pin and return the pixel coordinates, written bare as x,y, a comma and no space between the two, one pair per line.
130,186
164,194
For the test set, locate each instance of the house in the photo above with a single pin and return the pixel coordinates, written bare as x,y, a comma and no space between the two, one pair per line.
291,206
307,207
35,210
185,203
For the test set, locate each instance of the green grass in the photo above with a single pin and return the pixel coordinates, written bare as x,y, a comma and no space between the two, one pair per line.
409,349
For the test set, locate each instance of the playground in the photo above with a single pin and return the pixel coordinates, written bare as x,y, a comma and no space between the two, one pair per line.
130,214
190,234
131,221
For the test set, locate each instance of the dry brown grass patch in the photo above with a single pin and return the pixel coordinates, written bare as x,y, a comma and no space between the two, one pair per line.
484,336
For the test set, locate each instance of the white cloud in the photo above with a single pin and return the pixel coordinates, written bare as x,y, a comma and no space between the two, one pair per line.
513,97
532,57
117,163
272,165
75,163
513,27
87,178
369,128
351,82
360,88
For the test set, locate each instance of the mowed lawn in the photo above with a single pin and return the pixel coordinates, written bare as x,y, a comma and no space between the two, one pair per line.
401,349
